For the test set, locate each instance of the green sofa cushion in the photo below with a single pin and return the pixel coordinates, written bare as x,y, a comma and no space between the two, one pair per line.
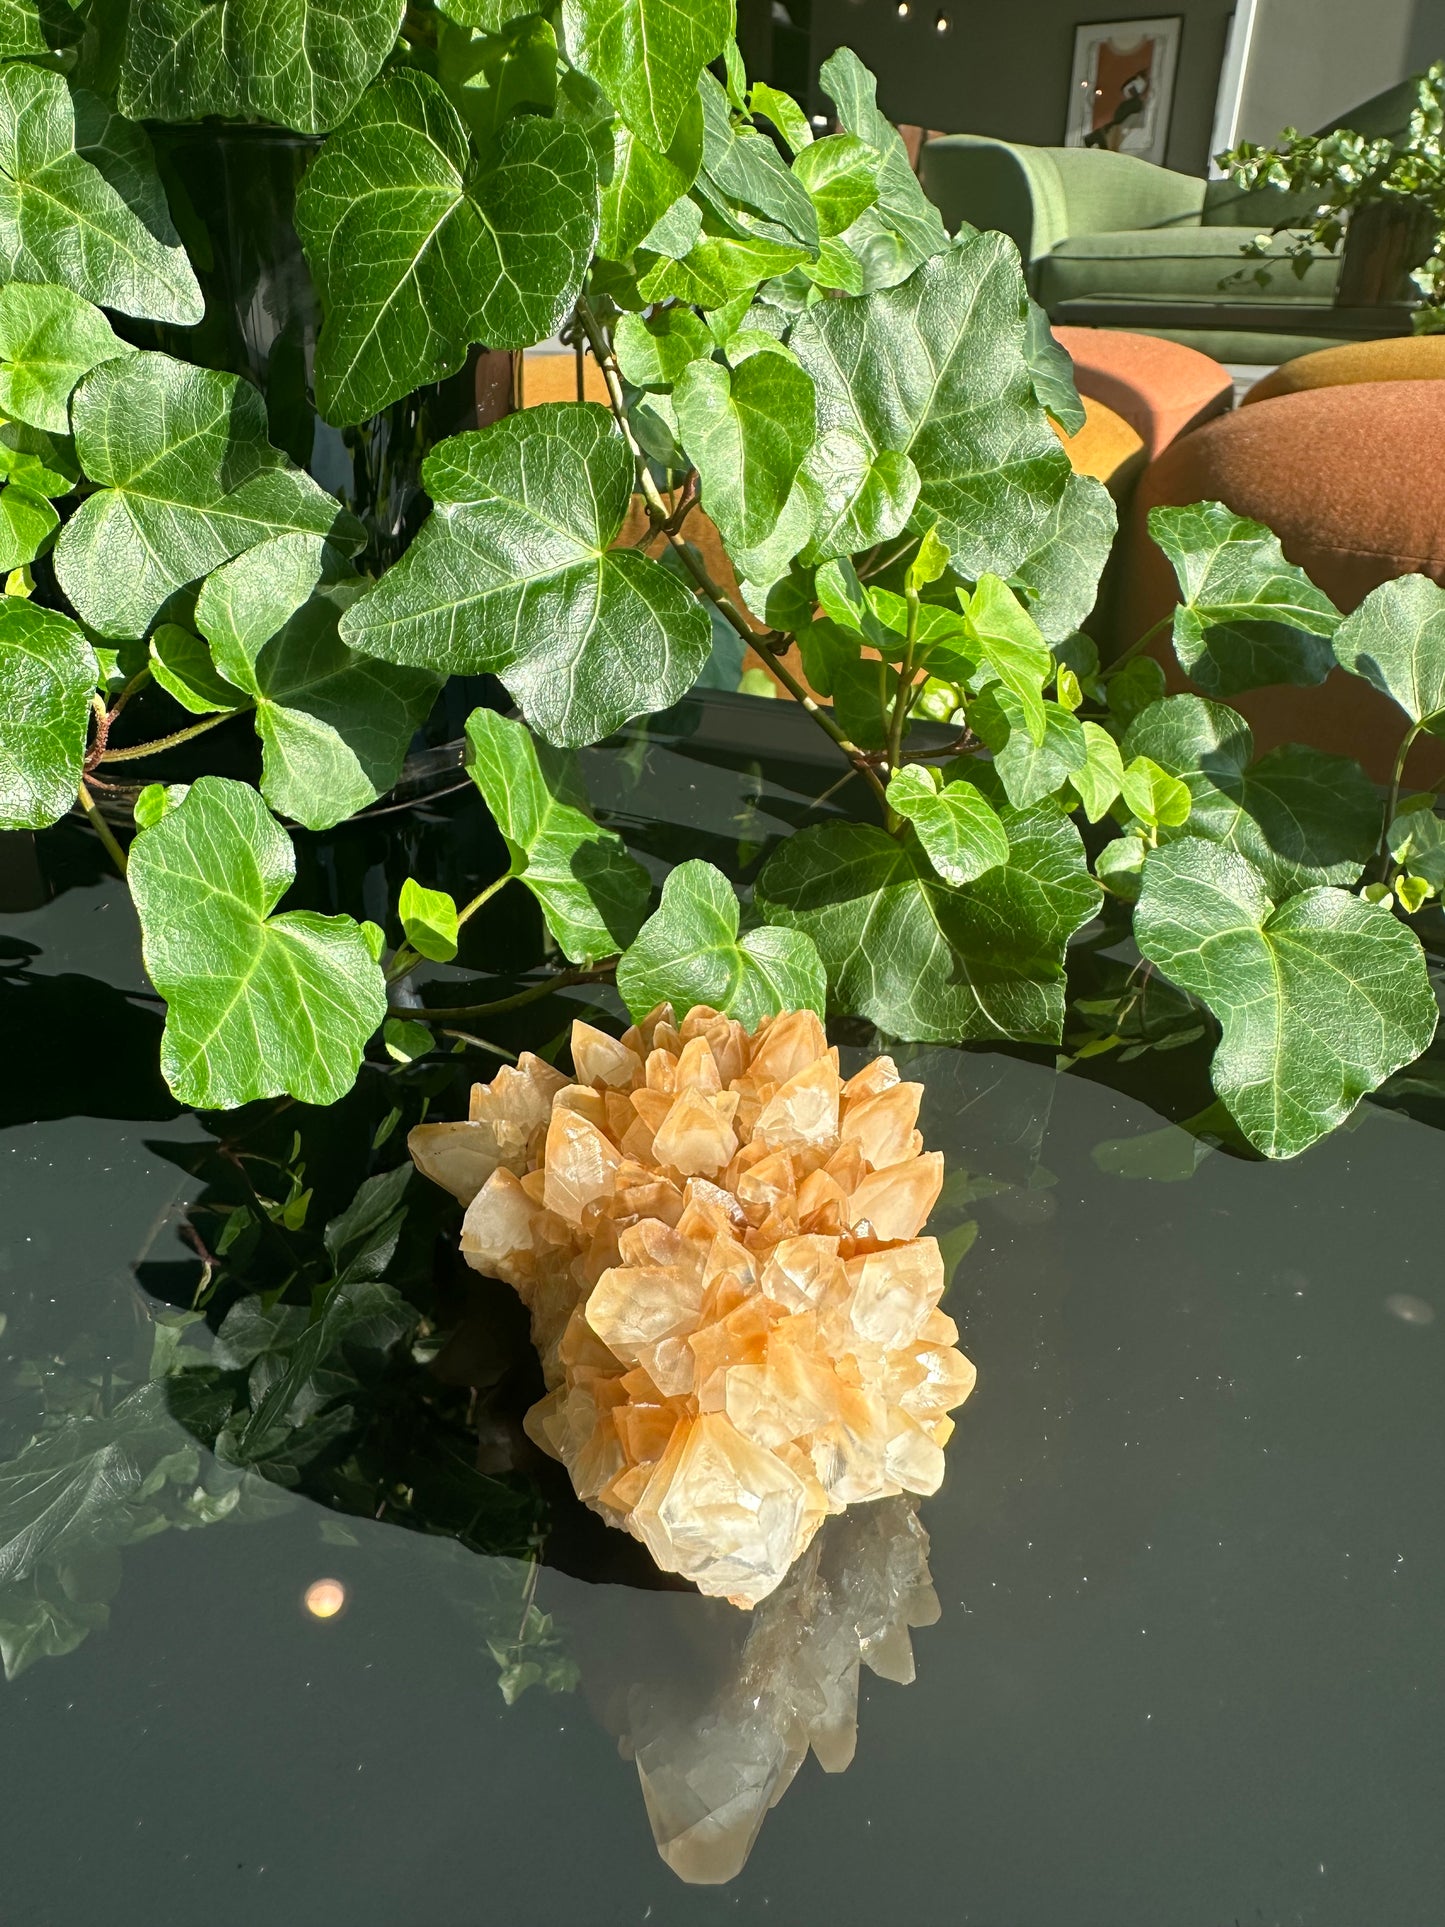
1186,262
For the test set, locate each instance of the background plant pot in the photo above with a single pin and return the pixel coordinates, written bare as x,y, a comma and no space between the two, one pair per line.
232,192
1384,243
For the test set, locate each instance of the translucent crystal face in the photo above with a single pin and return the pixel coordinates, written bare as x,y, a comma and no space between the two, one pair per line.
717,1238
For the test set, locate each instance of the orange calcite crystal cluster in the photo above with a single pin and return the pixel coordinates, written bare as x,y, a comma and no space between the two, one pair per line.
717,1238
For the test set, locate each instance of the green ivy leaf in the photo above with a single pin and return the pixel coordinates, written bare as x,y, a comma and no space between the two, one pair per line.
1100,778
957,825
302,64
159,799
934,372
1154,796
49,339
840,172
745,187
181,663
903,227
1396,640
47,673
1299,815
1417,841
644,184
1120,866
1133,687
1248,617
429,919
81,203
419,250
187,479
1028,770
654,349
922,960
1319,1000
27,522
256,1004
746,433
1005,636
593,894
689,952
784,112
646,55
334,726
1051,370
512,573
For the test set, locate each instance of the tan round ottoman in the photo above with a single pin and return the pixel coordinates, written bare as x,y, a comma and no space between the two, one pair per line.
1407,358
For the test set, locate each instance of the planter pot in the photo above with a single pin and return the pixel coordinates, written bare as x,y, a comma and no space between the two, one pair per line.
232,192
1384,243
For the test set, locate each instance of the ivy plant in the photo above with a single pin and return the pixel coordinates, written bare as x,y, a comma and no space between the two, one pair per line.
829,450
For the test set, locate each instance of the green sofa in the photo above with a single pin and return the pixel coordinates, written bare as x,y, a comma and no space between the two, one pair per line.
1097,230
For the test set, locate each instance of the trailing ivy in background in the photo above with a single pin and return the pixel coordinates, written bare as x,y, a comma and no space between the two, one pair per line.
867,410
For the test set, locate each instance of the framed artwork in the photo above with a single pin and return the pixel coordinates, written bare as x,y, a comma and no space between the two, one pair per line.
1123,85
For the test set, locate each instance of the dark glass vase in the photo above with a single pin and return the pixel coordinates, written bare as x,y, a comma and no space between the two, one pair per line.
232,193
1384,243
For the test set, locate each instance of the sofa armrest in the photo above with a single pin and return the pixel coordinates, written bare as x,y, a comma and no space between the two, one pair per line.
996,184
1043,195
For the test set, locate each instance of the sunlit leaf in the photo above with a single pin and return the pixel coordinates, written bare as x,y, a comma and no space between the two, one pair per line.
593,894
922,959
1248,617
689,952
81,204
335,726
1319,1000
186,479
1299,815
429,919
256,1004
47,673
513,573
49,339
300,63
646,55
746,432
957,825
419,249
1396,640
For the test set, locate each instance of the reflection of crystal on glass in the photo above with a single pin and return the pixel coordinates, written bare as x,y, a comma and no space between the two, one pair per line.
710,1772
717,1238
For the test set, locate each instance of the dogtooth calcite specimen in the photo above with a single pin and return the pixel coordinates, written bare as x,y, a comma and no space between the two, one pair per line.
717,1239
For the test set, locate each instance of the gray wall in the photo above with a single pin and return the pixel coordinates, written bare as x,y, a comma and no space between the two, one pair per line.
1004,69
1315,59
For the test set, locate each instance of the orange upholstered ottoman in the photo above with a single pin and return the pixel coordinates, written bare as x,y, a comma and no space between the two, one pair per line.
1161,388
1407,358
1352,480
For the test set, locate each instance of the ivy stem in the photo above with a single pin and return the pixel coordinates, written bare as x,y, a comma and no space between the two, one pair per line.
661,514
102,829
902,700
1392,804
460,1013
1141,643
179,736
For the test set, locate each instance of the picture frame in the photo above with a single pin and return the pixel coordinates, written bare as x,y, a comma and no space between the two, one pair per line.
1121,93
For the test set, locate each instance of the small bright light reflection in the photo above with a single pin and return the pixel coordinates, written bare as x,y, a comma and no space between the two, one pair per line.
942,24
325,1598
904,9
